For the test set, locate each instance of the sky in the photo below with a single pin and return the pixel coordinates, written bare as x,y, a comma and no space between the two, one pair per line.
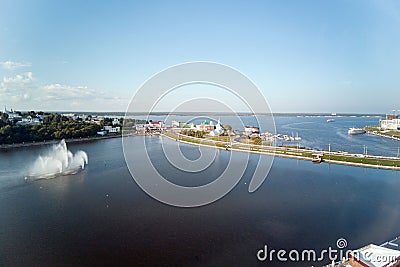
305,56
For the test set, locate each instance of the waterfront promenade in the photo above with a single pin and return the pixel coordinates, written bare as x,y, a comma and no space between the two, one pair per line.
333,157
384,135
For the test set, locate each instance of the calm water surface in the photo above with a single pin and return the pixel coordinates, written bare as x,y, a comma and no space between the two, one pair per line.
100,217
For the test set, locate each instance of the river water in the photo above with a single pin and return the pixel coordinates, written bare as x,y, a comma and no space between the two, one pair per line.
101,217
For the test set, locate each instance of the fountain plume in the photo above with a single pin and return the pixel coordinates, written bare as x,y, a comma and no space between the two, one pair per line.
58,161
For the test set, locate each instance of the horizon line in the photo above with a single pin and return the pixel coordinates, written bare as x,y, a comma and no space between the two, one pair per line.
206,112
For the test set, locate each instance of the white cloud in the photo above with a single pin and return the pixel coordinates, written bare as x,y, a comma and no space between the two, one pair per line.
66,92
18,80
23,92
16,87
11,65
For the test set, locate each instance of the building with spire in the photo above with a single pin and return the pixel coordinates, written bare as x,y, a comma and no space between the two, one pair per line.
218,129
12,115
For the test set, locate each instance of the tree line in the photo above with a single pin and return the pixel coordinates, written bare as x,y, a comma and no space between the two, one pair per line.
54,126
198,134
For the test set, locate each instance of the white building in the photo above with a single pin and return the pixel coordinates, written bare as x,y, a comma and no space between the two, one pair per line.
140,127
115,129
206,126
12,115
96,119
393,124
111,129
175,124
218,130
156,124
251,130
70,116
28,120
116,122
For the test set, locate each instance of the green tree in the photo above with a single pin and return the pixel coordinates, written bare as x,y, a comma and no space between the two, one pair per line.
227,127
256,140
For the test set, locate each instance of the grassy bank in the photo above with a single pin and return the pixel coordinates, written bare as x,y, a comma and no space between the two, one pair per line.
375,130
361,160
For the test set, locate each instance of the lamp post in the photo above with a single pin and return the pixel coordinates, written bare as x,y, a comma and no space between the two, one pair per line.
329,150
365,150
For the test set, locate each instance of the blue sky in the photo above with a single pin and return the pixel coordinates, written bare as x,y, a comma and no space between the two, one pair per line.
305,56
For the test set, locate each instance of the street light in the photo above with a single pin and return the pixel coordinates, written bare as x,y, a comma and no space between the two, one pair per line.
329,149
365,150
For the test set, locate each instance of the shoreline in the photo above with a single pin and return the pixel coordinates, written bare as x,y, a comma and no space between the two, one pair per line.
290,155
384,135
329,161
56,141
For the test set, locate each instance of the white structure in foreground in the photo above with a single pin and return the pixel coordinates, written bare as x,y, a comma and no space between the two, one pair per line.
390,124
374,256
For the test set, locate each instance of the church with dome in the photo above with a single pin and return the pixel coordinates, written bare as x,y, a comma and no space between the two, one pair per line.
219,130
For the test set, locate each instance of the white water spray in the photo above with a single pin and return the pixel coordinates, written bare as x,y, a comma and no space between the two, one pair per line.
58,161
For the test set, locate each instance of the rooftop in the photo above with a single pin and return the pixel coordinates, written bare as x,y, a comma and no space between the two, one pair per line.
376,256
393,244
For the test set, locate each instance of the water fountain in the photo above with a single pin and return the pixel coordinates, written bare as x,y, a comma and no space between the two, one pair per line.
58,161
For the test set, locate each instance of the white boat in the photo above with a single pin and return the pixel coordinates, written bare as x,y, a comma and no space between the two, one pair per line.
354,131
330,120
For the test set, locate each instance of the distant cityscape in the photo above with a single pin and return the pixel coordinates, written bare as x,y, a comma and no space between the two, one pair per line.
112,124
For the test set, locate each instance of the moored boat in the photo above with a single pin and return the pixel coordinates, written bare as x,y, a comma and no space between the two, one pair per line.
354,131
316,158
